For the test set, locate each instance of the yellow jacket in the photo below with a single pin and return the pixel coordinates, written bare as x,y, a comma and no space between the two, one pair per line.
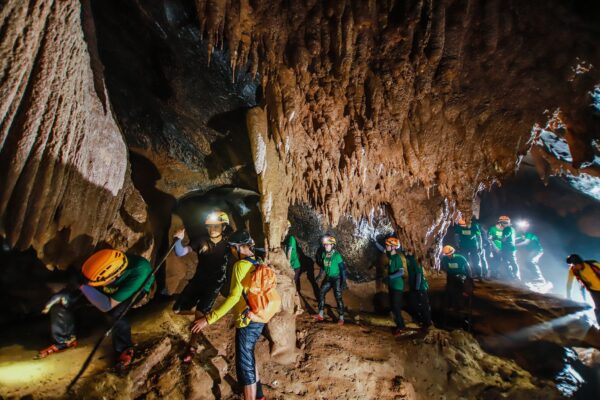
240,281
587,275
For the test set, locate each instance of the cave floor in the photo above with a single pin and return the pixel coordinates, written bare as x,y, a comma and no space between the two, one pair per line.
358,360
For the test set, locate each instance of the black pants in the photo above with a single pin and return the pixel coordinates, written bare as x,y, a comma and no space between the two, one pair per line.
454,291
336,284
419,305
297,274
245,362
474,258
200,292
62,325
396,300
509,264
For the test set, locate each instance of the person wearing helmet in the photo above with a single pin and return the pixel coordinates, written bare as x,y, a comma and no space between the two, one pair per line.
587,274
418,296
530,252
334,271
508,253
199,295
397,266
457,271
112,278
247,332
470,243
290,246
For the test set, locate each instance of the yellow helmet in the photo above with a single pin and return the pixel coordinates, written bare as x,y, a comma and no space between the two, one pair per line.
392,241
448,250
104,266
328,240
289,224
216,218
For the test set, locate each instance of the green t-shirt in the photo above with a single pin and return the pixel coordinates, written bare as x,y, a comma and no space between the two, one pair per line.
508,239
138,269
397,263
332,263
534,242
495,234
455,265
415,270
291,244
468,236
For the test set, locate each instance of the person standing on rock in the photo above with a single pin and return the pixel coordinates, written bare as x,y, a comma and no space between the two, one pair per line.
418,288
457,270
112,278
290,244
247,331
335,277
397,266
202,290
509,248
470,243
530,252
588,274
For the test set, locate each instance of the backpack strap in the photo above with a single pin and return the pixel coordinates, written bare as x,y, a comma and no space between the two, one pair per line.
244,295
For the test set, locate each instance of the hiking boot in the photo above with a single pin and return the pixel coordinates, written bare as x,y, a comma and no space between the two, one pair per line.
189,354
340,322
56,348
318,318
125,359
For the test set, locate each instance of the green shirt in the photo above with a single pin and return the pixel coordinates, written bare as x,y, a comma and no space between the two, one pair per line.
138,269
534,242
455,265
416,275
495,234
508,239
332,263
291,248
469,237
397,263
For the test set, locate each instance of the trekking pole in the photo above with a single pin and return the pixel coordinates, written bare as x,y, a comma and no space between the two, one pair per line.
134,299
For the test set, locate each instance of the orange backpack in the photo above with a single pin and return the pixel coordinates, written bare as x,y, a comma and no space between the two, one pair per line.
262,297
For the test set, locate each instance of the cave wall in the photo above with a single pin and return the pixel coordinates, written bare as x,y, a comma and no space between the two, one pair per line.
417,105
64,168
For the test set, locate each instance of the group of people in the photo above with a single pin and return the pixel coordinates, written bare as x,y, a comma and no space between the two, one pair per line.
112,280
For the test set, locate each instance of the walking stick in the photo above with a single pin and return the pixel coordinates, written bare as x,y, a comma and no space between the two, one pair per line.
134,299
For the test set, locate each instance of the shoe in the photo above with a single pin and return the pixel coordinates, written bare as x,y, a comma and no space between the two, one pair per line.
189,354
398,332
56,348
318,317
340,322
125,359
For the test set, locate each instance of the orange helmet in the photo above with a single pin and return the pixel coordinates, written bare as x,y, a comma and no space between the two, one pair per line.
448,250
503,218
392,241
462,222
216,218
328,240
104,266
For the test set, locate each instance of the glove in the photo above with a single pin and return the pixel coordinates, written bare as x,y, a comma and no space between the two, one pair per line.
62,297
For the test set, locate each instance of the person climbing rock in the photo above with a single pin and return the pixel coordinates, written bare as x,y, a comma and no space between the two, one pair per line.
470,243
587,274
247,332
290,246
199,295
418,291
530,251
457,271
508,253
335,277
397,267
112,278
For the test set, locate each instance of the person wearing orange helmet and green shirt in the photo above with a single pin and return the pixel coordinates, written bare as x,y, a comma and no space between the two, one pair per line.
503,237
397,267
418,287
335,275
470,243
111,280
457,270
